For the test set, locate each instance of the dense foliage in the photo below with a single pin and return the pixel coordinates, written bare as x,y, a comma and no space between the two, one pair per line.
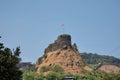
90,58
94,75
8,61
32,75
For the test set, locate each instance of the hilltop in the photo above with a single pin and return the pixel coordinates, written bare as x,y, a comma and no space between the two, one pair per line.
63,54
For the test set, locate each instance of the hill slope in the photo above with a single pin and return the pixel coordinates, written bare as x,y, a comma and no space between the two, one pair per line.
91,58
62,53
109,68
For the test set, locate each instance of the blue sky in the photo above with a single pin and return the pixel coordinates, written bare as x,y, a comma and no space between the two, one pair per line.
33,24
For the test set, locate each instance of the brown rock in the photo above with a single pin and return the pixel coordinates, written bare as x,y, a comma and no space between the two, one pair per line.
109,68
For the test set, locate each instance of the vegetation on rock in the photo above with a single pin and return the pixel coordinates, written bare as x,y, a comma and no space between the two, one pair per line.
94,75
54,68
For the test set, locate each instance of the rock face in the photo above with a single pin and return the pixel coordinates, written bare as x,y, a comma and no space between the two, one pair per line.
62,53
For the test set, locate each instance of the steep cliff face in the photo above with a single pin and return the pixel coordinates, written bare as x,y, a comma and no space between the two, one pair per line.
62,53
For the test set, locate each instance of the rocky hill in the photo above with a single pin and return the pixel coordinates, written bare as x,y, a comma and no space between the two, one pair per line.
104,63
109,68
64,54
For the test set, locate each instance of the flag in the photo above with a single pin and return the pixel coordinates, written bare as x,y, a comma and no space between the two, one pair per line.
62,25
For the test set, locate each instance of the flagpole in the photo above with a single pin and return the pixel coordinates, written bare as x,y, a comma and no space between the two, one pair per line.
62,26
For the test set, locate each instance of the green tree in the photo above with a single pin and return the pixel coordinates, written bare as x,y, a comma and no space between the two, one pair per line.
54,76
78,77
8,63
29,75
113,76
39,77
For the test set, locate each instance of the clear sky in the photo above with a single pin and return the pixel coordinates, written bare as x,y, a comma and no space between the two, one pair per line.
33,24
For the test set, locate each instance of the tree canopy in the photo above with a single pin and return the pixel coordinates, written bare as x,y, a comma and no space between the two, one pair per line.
8,63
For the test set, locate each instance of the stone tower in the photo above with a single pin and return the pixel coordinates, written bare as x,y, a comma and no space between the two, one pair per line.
62,41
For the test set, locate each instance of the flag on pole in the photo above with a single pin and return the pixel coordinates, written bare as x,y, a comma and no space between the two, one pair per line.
62,25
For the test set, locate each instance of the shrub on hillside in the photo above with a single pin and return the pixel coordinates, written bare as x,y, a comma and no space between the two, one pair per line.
54,68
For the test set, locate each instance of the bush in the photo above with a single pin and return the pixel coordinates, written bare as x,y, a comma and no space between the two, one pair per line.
54,76
32,75
39,77
44,69
111,76
54,68
58,69
29,75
